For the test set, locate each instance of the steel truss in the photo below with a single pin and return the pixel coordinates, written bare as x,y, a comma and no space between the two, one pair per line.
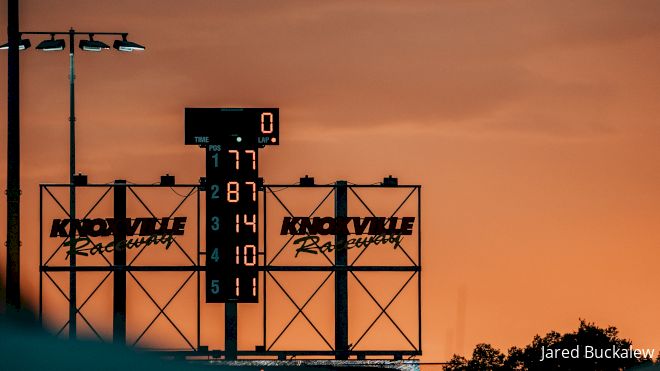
269,270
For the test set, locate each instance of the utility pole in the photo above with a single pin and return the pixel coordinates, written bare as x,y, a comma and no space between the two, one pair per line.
13,192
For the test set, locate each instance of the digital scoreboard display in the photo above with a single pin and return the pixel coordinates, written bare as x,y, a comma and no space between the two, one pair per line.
232,138
231,224
242,126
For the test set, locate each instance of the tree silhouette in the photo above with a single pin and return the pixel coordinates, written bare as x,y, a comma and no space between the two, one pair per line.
484,357
587,336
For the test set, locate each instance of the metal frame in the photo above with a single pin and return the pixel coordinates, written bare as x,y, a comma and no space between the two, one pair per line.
45,269
414,268
268,269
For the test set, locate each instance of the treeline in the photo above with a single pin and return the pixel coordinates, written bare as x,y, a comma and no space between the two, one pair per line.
588,348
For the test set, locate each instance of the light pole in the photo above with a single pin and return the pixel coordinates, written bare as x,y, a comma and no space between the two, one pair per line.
88,45
13,278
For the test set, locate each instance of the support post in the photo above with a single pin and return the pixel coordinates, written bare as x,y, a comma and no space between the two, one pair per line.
341,276
231,330
119,261
13,242
73,306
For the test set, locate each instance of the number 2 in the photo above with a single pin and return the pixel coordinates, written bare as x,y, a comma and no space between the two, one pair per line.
214,191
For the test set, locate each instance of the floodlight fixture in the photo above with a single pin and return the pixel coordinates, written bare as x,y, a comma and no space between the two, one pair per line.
51,45
22,45
124,45
92,45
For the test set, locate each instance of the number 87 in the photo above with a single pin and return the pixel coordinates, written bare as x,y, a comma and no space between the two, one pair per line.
233,189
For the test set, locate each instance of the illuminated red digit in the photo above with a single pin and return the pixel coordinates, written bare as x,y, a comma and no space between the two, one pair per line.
232,192
235,152
252,222
252,255
254,190
270,123
254,158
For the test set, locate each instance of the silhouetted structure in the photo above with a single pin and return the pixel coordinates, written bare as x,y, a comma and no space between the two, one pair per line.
588,348
122,268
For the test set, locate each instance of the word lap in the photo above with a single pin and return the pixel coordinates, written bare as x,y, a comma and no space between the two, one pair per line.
232,138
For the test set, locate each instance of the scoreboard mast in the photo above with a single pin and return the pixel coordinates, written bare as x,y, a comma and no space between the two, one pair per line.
232,138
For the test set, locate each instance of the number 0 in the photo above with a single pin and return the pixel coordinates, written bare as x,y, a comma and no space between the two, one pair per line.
266,118
249,258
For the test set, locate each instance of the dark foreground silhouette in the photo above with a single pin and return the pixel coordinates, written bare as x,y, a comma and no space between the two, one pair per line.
588,348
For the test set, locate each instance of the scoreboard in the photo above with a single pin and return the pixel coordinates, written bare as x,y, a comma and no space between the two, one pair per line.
232,138
228,126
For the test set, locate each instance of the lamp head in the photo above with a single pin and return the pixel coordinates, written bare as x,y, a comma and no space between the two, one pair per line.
124,45
22,45
92,45
51,45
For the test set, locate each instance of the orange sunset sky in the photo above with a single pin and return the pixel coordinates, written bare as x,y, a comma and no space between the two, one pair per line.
531,125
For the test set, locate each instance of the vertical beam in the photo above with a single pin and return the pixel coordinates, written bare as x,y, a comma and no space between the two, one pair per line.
119,261
13,280
341,277
419,262
41,252
263,279
231,330
73,306
199,294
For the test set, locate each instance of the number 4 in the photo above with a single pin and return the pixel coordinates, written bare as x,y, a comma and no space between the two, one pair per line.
215,255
